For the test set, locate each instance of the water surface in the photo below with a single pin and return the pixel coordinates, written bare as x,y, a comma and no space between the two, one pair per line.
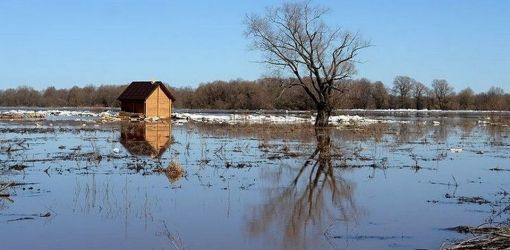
383,186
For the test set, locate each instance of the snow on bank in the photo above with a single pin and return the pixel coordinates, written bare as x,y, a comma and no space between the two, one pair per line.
182,117
238,118
339,120
389,111
45,114
22,115
223,117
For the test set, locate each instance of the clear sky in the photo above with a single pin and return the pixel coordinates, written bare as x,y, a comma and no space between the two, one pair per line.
65,43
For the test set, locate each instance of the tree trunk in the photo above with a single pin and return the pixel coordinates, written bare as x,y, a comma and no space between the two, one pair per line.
324,146
323,114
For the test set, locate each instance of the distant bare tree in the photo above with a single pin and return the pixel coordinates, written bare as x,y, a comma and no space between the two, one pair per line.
466,99
402,87
294,38
50,97
380,95
27,96
495,99
507,98
431,99
106,95
419,94
186,96
360,92
87,96
442,91
74,97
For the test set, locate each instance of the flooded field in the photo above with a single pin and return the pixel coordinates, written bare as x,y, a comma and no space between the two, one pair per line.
401,182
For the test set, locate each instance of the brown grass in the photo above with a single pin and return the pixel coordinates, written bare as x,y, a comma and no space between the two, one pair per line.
485,238
174,171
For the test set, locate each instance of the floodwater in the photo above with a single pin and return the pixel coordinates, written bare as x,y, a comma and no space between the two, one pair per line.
91,185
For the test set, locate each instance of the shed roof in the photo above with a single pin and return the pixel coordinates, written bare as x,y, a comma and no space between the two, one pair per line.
141,90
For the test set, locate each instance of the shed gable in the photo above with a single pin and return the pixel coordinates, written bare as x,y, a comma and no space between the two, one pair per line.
158,104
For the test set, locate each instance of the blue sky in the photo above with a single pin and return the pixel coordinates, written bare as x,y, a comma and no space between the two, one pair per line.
184,43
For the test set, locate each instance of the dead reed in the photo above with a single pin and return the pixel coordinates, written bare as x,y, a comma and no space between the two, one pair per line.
485,238
3,187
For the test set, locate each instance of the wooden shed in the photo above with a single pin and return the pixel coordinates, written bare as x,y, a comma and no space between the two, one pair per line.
150,98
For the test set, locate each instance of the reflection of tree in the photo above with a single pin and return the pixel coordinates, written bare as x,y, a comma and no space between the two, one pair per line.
315,196
441,131
496,134
406,133
467,126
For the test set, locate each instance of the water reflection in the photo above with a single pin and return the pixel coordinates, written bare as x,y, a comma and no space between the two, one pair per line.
146,139
5,202
317,195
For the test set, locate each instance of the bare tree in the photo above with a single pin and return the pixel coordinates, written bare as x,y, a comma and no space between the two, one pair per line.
442,91
402,87
419,94
294,38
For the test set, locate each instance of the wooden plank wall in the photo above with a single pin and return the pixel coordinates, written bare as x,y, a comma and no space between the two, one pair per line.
158,104
164,105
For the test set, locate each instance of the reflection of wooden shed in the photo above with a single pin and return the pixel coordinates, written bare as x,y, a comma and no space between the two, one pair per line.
146,139
148,98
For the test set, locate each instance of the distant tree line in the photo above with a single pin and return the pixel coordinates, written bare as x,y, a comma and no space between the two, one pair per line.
88,96
271,93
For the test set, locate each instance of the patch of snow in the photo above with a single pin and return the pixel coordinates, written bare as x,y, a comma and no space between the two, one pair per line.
353,120
456,150
152,119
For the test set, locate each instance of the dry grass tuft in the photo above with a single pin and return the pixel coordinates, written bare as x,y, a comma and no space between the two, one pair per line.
174,171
